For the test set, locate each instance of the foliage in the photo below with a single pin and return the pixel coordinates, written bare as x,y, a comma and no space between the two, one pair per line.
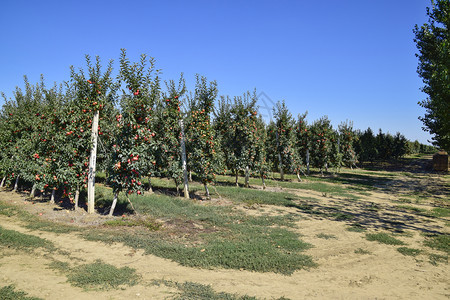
432,40
134,150
347,138
322,139
201,145
288,158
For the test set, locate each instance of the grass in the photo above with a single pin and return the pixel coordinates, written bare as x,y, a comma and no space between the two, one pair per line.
412,208
435,259
191,290
208,236
362,251
148,223
383,238
21,241
195,291
409,251
440,242
254,248
326,236
33,222
99,275
9,292
440,212
314,183
356,228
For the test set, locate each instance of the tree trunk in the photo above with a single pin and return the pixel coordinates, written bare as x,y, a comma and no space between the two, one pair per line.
190,175
263,182
207,191
16,185
280,162
281,167
176,185
150,188
298,176
3,181
113,206
92,163
246,176
77,196
307,161
184,163
52,198
237,177
33,191
128,199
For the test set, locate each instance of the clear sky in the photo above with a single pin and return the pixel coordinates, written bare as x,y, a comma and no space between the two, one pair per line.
347,59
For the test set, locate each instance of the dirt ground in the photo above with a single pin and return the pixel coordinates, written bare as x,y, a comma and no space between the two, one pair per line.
381,272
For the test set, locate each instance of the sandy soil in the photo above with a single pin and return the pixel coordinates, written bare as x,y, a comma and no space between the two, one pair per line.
381,273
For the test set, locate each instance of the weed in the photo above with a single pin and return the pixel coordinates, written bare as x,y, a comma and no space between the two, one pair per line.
383,238
191,290
435,259
409,251
326,236
9,293
33,222
340,216
60,266
148,223
356,228
21,241
439,242
102,276
362,251
440,212
412,208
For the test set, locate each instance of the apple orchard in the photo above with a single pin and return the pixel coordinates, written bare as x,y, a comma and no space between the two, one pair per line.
133,127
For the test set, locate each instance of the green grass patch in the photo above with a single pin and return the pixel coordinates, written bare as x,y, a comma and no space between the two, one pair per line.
362,251
251,196
148,223
440,242
409,251
356,228
326,236
436,259
440,212
99,275
34,222
21,241
412,208
254,248
208,236
9,292
191,290
62,267
383,238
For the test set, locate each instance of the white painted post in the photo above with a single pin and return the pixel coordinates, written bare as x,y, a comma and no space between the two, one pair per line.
16,185
113,206
92,162
184,163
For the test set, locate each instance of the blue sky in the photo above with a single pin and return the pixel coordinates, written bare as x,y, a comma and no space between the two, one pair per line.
348,59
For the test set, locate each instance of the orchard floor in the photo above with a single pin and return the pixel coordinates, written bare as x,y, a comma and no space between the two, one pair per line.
349,266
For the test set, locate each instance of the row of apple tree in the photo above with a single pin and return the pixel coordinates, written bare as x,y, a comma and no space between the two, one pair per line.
133,126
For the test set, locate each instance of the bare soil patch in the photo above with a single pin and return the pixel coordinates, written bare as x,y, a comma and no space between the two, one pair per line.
349,266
